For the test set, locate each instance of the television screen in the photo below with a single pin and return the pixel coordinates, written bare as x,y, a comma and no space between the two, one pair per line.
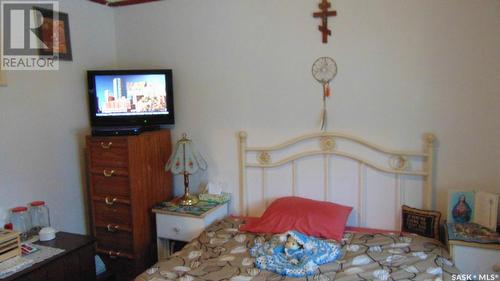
122,95
130,97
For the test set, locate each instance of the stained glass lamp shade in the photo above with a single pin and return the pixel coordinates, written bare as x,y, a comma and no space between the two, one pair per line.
185,160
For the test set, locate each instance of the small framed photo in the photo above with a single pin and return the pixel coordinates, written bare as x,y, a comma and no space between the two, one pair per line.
54,33
460,206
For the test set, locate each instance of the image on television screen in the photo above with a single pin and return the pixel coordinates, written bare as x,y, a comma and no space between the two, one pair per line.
131,94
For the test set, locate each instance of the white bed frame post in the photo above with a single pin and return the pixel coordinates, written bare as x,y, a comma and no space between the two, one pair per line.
429,139
242,150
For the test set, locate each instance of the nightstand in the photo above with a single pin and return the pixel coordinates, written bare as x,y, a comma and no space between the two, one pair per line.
184,223
472,250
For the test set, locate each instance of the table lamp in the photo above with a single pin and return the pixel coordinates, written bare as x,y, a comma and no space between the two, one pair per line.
185,160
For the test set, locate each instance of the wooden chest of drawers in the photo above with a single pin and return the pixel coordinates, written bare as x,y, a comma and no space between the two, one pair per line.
126,179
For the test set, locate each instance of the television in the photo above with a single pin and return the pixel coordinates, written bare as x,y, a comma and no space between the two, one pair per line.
130,98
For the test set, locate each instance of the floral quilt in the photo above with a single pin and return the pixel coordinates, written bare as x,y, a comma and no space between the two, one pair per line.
221,252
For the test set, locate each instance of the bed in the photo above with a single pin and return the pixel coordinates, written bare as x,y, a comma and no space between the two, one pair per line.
325,167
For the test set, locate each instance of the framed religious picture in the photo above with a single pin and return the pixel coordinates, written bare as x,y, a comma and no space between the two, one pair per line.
469,206
54,34
460,206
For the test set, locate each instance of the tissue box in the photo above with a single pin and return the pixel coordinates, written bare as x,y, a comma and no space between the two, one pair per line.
10,244
217,198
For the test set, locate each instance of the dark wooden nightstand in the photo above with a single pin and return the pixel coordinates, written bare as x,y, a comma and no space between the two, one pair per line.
76,263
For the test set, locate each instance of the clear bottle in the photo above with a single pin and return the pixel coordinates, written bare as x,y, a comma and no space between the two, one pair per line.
21,221
39,213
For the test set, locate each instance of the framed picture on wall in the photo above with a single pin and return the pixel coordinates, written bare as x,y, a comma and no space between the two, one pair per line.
466,206
460,206
3,80
54,33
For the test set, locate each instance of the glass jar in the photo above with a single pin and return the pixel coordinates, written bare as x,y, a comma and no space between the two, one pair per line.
21,221
39,213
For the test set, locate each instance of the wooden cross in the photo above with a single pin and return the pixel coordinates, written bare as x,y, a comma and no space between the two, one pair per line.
324,14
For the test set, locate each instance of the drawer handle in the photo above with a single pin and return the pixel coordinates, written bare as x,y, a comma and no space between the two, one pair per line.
112,228
106,145
176,230
113,254
110,202
107,173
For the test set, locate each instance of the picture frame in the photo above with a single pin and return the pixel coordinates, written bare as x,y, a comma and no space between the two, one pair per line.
55,33
3,79
461,206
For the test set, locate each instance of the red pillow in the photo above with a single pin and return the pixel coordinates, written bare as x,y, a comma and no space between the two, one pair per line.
311,217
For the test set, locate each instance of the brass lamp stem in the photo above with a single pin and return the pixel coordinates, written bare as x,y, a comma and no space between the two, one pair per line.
187,199
186,183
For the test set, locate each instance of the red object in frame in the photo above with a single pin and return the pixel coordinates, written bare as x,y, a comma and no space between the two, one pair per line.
37,203
310,217
121,3
19,209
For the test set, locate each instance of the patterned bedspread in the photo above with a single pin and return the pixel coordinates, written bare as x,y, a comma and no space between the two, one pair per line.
221,253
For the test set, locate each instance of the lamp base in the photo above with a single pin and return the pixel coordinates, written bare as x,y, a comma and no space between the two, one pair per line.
186,200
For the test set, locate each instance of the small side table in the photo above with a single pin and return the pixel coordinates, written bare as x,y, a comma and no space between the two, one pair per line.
184,223
471,252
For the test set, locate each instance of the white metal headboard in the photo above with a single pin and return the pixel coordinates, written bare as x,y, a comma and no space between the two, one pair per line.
397,165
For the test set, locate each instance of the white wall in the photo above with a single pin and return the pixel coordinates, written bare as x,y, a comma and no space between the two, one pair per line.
43,120
405,68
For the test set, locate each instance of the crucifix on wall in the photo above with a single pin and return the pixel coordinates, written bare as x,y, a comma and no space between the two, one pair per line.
324,14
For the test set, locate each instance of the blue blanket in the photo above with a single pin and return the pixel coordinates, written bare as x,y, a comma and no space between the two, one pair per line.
304,261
